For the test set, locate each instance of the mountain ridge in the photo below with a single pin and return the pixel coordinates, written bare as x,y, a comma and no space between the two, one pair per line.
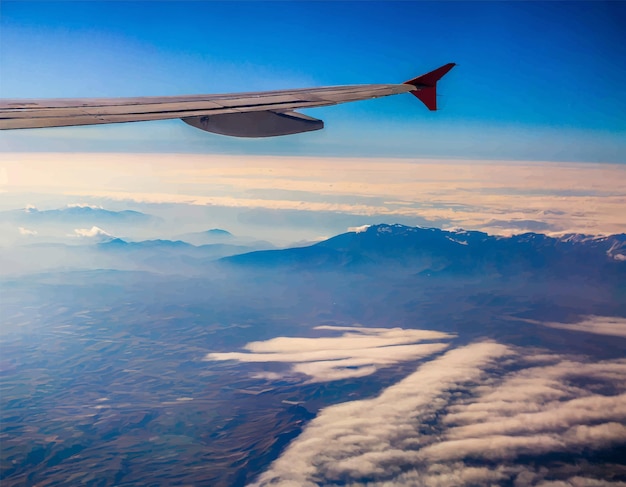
422,249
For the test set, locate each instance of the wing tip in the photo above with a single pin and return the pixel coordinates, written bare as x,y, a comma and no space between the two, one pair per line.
426,85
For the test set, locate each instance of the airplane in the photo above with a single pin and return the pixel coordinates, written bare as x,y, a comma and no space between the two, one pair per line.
260,114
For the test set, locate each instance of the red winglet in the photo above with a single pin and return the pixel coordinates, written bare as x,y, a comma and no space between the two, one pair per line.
426,85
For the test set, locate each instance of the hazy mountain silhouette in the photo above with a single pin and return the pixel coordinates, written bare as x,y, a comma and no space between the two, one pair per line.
431,250
76,215
219,235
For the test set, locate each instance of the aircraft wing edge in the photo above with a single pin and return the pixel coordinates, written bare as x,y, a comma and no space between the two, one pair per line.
206,112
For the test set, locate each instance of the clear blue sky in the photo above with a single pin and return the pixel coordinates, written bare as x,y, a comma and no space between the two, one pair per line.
543,81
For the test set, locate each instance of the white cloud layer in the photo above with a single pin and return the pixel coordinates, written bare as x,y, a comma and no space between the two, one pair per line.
465,418
560,197
358,352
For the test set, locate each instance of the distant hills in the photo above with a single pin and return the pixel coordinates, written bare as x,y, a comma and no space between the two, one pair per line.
219,235
173,247
218,232
208,235
103,251
379,250
76,215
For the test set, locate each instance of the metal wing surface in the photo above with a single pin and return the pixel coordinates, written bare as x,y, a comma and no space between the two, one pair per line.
260,114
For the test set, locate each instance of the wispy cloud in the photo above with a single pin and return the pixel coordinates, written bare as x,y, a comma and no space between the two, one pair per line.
91,232
357,352
84,205
600,325
465,418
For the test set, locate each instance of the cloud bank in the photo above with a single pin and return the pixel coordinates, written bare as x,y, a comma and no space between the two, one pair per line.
496,196
358,352
473,416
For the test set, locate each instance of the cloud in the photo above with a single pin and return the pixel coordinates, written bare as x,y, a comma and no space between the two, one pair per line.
26,231
90,233
518,226
466,418
357,352
85,205
600,325
582,482
360,229
368,437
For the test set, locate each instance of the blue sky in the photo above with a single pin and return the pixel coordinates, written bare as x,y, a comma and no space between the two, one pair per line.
537,81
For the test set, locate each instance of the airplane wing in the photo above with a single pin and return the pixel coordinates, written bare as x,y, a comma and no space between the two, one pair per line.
261,114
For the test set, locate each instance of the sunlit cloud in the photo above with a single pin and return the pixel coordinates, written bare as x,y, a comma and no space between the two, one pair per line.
431,428
357,352
26,231
361,229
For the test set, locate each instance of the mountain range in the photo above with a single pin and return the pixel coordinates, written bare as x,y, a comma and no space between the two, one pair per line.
378,249
435,251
